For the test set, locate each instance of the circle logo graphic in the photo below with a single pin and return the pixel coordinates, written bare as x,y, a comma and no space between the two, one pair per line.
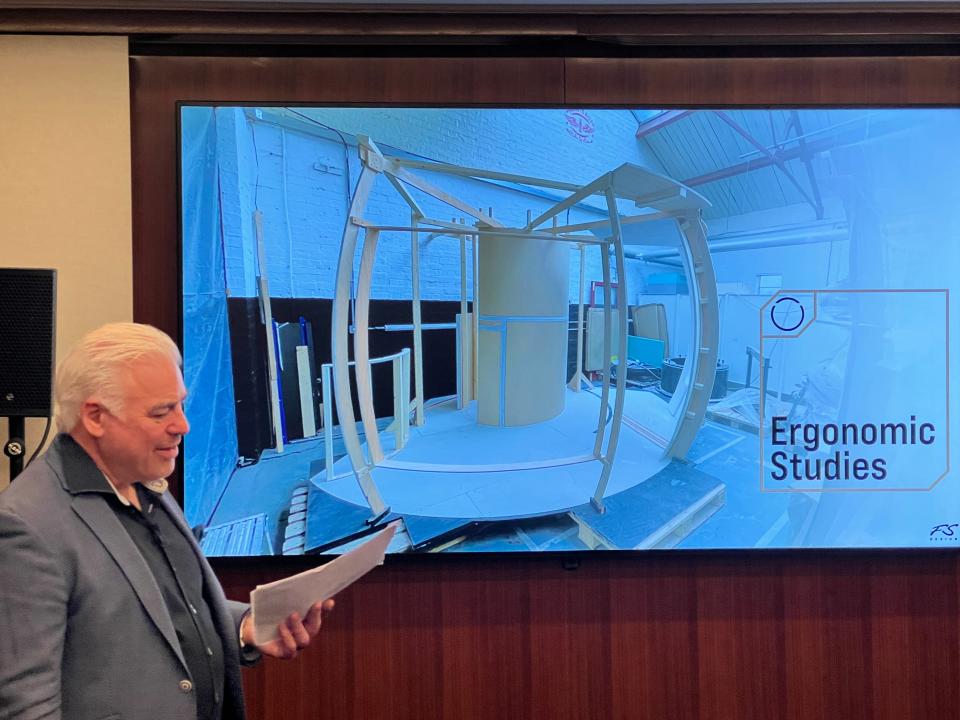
787,314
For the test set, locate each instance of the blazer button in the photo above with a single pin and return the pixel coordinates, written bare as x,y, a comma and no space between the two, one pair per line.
186,686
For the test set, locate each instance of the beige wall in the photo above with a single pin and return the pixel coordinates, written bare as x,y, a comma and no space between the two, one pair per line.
65,178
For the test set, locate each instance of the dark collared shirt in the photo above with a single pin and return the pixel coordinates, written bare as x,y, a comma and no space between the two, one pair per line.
177,572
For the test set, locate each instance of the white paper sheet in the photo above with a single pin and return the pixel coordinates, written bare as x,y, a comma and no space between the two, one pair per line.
273,602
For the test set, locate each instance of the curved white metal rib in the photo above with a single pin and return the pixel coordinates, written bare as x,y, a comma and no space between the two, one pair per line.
340,338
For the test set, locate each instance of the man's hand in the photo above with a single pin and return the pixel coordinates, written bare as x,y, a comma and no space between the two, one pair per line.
295,634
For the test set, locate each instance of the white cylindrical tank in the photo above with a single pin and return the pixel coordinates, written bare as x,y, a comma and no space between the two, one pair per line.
524,316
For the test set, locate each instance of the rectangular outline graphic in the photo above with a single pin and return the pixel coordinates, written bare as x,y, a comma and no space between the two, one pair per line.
816,294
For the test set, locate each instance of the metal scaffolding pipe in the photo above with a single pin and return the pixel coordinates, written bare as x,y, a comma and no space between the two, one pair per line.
837,231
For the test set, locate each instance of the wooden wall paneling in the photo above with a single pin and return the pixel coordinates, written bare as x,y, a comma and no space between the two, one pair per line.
484,646
155,197
379,655
803,635
782,25
914,637
390,649
797,636
654,638
827,618
642,24
740,649
762,81
572,668
252,25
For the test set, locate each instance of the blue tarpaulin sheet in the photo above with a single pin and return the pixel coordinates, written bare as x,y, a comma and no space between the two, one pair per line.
210,450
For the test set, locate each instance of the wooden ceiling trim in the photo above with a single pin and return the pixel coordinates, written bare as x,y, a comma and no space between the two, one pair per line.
692,25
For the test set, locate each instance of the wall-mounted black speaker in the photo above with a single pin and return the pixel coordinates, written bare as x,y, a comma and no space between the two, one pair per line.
28,299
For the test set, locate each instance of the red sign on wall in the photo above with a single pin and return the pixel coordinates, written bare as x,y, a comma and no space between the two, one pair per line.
580,125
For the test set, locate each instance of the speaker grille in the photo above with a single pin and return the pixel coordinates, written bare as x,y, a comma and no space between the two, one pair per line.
27,336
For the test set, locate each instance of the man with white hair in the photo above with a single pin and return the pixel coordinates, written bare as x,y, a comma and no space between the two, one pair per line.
107,607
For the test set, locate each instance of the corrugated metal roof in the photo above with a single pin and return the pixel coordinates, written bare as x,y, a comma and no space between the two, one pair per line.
704,144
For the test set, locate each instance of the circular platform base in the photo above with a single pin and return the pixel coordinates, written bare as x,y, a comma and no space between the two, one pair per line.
454,468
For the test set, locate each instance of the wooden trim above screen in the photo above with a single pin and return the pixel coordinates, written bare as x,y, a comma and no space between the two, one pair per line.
762,81
691,24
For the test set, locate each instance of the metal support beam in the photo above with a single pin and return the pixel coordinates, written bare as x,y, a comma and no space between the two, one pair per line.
759,146
807,159
658,122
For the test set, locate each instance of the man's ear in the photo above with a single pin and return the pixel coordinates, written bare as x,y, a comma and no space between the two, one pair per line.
91,417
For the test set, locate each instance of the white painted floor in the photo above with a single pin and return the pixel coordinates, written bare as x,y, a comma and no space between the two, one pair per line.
452,467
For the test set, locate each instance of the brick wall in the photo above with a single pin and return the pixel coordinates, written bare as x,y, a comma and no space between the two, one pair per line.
297,175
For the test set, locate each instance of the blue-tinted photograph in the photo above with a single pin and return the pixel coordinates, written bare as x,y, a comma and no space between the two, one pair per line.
569,329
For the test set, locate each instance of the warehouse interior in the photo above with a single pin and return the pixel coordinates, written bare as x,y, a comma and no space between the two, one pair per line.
787,195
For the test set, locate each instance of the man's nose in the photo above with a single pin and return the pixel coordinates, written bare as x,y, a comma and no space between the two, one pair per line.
180,425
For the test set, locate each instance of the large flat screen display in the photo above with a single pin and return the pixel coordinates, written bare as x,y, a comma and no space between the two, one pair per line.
569,329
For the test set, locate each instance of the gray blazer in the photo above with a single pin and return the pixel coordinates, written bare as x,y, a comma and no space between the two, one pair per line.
84,631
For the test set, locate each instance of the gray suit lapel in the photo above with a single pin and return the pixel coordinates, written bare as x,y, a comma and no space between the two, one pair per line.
103,522
78,474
